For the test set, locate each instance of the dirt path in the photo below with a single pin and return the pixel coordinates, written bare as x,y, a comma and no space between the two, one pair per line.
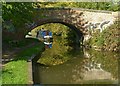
12,53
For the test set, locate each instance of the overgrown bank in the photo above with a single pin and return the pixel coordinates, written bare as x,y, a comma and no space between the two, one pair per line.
108,40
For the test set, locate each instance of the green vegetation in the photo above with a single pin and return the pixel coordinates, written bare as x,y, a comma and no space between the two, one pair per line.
89,5
16,72
58,54
108,40
30,51
16,15
11,43
62,44
100,82
22,13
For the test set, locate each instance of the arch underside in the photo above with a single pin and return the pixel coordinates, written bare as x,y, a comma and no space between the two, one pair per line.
40,22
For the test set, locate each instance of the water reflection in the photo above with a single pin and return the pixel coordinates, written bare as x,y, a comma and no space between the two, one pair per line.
48,42
58,54
99,68
91,70
72,66
48,45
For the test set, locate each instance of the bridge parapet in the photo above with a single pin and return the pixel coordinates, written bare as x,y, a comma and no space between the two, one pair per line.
82,19
65,15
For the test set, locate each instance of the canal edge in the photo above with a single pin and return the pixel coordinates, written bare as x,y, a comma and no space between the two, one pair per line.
30,74
30,70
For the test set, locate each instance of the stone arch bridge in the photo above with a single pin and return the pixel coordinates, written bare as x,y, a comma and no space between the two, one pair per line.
77,19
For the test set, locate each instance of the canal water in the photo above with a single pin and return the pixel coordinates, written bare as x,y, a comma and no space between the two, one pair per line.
66,64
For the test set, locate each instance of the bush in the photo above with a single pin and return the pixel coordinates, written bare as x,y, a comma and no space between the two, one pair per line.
108,39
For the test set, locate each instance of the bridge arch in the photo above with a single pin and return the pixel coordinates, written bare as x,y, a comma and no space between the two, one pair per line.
78,33
40,22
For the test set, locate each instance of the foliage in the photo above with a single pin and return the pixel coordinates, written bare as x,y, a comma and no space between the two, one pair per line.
62,44
28,52
56,28
89,5
17,13
9,43
14,17
16,72
108,39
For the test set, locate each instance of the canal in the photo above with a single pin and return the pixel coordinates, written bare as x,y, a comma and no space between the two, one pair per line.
66,64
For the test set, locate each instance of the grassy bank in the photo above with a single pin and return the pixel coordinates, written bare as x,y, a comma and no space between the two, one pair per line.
16,72
108,40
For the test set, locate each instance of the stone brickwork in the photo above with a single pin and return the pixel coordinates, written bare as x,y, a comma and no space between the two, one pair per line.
82,21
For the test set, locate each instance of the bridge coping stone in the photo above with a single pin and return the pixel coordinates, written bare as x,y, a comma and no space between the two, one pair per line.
73,8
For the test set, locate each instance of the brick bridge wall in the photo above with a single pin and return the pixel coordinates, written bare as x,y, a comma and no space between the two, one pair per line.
81,20
66,16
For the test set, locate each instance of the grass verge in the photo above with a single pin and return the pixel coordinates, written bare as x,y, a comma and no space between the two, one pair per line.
16,72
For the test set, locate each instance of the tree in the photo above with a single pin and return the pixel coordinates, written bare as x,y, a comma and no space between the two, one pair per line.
18,13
